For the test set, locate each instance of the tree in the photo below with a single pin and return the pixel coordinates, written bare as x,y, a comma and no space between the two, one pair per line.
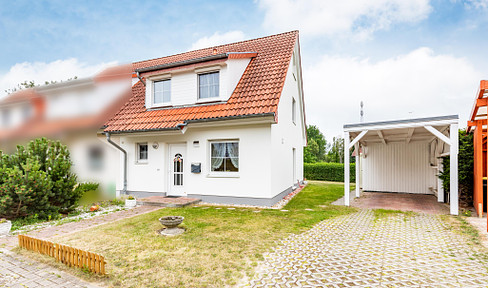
32,84
336,152
37,180
317,145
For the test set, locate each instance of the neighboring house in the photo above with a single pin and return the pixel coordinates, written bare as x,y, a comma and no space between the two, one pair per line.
225,124
72,112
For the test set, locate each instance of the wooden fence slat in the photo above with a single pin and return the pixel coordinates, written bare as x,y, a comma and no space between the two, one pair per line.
102,265
97,263
70,256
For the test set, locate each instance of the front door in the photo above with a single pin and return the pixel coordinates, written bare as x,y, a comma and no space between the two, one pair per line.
177,170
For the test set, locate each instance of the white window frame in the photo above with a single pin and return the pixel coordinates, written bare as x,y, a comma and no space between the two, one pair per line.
204,72
294,110
138,154
153,93
223,174
149,101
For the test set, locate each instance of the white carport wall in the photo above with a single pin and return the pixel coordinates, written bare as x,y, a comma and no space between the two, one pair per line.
399,136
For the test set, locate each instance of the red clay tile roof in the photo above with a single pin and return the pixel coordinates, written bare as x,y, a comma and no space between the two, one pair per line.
23,95
257,93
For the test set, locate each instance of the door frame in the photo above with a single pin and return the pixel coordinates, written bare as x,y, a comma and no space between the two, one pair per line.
181,148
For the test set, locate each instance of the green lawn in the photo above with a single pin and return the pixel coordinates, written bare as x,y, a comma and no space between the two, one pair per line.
219,247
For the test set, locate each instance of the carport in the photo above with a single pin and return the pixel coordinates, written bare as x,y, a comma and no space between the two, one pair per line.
403,156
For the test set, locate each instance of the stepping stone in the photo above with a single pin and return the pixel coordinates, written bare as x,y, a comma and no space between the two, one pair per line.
218,208
284,210
231,208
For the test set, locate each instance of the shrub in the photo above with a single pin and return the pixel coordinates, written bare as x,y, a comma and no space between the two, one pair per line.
25,192
37,180
88,192
327,171
465,169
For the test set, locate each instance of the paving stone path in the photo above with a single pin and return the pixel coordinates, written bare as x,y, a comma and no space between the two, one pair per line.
71,227
361,250
18,271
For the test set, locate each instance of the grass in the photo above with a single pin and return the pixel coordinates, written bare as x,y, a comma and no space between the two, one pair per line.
219,247
460,225
384,213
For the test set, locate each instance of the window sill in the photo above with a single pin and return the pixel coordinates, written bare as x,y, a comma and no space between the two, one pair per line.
223,175
161,105
141,162
206,100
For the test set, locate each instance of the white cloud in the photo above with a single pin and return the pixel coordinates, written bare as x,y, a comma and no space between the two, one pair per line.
39,72
418,84
476,4
217,39
331,17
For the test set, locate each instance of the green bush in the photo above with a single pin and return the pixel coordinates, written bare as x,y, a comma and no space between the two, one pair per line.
327,171
37,180
465,169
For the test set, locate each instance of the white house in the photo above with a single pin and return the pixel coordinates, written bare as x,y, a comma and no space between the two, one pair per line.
72,112
225,124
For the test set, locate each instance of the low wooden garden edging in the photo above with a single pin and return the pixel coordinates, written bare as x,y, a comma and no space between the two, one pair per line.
69,256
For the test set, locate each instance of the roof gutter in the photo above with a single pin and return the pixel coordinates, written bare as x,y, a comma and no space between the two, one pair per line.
181,63
183,125
124,189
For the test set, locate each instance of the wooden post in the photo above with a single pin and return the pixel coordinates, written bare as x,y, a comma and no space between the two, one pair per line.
478,168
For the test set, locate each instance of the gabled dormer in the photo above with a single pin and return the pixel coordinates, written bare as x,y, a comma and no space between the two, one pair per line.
210,79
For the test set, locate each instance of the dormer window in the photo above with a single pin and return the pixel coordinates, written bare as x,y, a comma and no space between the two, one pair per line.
208,85
162,91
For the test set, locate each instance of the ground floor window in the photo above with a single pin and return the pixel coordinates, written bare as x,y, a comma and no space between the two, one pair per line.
95,158
224,156
142,152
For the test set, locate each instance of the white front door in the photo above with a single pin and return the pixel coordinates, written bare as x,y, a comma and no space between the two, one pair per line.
177,176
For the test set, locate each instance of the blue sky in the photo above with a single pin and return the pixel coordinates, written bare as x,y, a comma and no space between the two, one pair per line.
402,58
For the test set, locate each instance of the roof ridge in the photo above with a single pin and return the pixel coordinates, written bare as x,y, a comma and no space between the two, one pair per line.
226,44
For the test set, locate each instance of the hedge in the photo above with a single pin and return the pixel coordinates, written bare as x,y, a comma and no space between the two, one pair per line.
327,171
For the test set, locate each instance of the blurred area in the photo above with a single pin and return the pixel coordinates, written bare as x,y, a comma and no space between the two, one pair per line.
72,112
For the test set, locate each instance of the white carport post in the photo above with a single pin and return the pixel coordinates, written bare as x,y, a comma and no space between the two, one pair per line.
356,148
454,199
452,141
347,146
346,169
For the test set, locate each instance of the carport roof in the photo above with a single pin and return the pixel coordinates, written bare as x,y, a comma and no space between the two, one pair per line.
405,130
416,121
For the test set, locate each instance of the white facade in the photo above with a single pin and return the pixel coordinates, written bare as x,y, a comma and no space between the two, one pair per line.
101,168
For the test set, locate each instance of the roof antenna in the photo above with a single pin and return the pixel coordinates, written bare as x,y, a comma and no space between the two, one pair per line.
361,119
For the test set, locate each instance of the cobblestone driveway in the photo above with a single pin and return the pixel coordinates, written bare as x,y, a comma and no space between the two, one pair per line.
16,271
360,250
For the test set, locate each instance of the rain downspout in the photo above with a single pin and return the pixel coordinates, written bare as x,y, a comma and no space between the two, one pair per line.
140,78
125,160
